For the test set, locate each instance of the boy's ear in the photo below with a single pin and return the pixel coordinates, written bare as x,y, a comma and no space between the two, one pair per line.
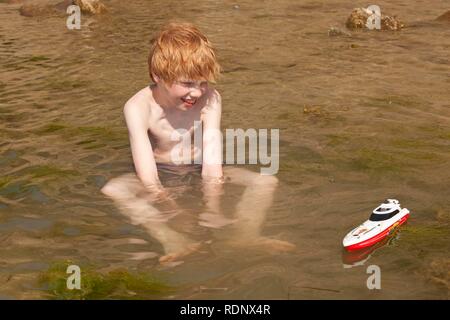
155,78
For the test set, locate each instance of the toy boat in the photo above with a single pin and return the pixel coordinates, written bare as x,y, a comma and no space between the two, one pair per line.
383,220
359,257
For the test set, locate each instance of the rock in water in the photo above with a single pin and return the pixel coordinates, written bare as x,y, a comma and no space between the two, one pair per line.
390,23
359,16
357,19
90,6
45,10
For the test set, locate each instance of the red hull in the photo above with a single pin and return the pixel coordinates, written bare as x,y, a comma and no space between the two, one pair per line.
378,237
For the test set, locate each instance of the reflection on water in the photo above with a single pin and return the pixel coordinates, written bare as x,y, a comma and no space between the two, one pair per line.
362,118
360,257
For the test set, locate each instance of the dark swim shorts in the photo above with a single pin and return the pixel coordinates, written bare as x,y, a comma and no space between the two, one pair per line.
172,175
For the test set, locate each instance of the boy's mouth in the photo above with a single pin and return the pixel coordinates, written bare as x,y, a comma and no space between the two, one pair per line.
189,102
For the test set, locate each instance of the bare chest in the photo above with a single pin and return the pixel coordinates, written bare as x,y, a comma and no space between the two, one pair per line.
169,130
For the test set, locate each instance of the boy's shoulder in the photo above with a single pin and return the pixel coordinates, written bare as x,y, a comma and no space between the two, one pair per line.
141,103
214,94
213,102
212,97
140,98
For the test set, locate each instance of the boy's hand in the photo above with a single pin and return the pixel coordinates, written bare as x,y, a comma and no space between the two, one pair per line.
154,193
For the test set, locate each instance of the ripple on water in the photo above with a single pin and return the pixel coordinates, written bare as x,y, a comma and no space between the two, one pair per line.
27,224
31,266
71,231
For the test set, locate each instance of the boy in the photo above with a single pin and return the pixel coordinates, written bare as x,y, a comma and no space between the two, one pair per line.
182,63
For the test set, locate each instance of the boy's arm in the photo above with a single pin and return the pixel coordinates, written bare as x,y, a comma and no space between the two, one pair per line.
212,138
144,161
212,173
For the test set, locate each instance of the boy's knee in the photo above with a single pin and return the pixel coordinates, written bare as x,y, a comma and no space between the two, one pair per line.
248,178
109,190
122,186
113,189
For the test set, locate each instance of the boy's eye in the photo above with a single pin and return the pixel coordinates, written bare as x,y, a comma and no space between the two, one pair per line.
193,83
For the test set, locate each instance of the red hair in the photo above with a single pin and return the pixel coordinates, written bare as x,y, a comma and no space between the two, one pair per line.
181,51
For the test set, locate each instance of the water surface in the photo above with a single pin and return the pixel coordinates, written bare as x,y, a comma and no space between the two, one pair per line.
362,118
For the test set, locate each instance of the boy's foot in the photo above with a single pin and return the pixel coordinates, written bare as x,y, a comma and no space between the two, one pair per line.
178,254
212,220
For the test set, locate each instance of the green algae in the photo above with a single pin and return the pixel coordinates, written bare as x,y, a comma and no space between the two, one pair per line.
425,156
50,171
26,180
301,160
409,143
445,136
91,137
68,130
376,160
50,128
418,149
302,154
426,234
435,132
397,156
334,140
96,131
38,58
424,242
95,146
86,142
4,181
115,284
67,84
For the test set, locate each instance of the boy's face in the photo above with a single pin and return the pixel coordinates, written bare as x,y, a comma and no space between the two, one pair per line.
184,93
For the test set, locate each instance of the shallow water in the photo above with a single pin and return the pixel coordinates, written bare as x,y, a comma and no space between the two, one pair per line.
362,118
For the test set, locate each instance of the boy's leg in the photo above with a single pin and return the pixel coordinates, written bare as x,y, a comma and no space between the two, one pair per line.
129,194
213,217
251,210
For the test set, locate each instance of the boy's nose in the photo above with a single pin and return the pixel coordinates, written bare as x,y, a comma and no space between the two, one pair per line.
196,92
